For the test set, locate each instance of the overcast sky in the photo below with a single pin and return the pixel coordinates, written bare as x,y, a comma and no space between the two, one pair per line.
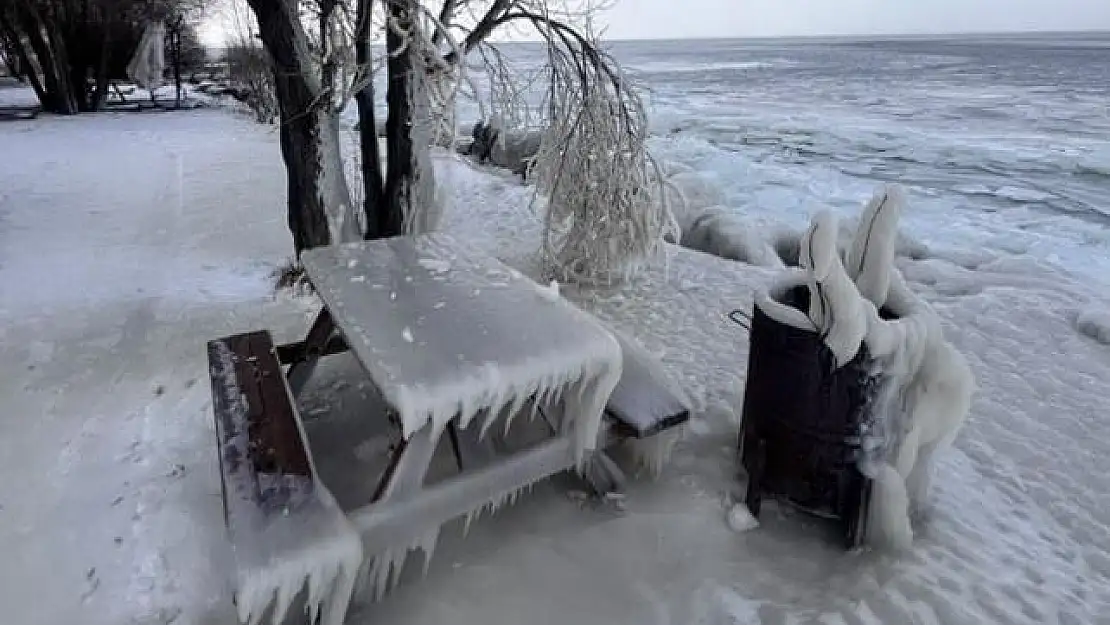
636,19
677,19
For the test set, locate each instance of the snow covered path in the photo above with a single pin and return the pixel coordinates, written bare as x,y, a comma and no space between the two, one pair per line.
127,241
124,241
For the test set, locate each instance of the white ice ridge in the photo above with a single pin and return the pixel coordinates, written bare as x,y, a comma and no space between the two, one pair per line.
312,546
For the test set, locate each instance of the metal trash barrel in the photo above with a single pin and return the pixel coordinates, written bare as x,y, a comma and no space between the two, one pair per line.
804,422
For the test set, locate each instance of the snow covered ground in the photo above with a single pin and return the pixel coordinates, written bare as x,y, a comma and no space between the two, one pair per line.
128,240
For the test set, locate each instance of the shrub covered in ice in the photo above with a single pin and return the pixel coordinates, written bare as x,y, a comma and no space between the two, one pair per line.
606,213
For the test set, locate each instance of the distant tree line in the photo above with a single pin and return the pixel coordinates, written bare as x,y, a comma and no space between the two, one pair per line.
70,50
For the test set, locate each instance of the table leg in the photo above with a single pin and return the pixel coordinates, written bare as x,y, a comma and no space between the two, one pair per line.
315,345
600,472
404,478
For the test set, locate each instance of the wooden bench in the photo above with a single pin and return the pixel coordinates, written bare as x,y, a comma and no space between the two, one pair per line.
274,508
261,445
29,111
642,406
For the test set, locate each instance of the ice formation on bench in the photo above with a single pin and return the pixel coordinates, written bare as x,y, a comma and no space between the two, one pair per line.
278,553
492,340
928,384
459,336
652,452
313,552
383,570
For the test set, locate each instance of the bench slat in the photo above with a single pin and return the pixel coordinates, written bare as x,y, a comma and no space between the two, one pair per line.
276,513
260,439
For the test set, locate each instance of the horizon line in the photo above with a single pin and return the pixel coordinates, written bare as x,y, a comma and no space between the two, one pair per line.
848,36
955,33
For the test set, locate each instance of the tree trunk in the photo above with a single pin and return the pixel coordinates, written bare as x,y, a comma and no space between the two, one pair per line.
16,53
380,223
102,70
9,50
319,204
409,185
175,47
49,50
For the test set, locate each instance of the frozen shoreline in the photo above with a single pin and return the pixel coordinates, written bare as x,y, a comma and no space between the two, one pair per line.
110,282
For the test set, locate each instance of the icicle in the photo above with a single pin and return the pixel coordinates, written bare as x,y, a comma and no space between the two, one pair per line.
317,580
255,607
343,586
652,453
285,595
380,573
517,405
466,524
396,567
491,416
428,546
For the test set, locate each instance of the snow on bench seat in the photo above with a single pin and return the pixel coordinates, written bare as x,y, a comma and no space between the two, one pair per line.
644,402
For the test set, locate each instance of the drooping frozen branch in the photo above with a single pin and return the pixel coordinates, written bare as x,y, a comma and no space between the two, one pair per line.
606,213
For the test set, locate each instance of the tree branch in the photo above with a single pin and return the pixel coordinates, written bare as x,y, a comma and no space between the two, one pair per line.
446,14
489,22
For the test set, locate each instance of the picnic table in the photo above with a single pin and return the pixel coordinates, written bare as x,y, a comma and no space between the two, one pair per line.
454,341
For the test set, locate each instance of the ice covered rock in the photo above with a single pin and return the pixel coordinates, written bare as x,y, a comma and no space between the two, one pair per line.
1095,323
722,232
688,194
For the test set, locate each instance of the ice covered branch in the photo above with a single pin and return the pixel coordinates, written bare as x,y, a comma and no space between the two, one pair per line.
606,212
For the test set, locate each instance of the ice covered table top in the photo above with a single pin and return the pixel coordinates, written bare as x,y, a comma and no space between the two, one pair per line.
444,330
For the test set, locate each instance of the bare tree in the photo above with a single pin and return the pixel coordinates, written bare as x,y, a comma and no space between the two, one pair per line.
69,49
589,105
